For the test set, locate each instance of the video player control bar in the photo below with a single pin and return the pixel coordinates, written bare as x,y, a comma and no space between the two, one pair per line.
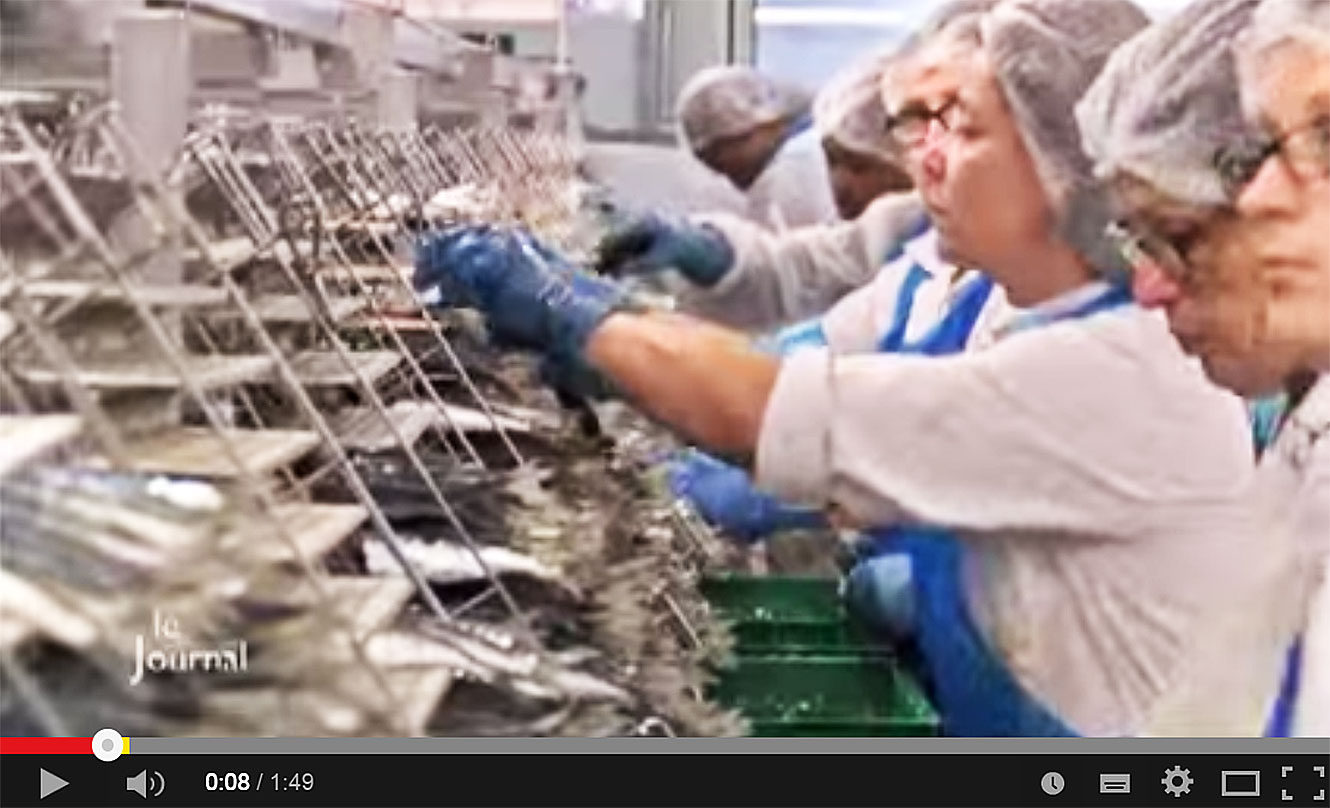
685,778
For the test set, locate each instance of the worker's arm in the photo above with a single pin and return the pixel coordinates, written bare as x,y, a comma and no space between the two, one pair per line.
1075,429
739,273
779,278
794,190
703,380
707,382
993,441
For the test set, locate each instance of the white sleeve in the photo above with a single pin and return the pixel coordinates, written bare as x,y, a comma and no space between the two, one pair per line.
857,322
778,279
1060,429
795,190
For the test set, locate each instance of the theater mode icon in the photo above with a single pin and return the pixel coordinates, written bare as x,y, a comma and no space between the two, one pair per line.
1240,783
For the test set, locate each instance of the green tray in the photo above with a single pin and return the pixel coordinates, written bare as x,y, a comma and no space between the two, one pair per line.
755,599
843,696
804,638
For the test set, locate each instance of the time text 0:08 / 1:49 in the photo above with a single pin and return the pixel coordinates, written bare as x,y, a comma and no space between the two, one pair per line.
272,781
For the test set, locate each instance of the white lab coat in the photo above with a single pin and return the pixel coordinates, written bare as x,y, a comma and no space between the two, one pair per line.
781,278
1094,472
857,323
1240,655
794,190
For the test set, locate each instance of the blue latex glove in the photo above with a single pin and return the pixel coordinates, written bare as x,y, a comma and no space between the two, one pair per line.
724,496
880,591
526,302
654,243
430,272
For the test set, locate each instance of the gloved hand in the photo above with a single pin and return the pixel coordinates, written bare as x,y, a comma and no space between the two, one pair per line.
575,378
654,243
880,592
724,496
526,302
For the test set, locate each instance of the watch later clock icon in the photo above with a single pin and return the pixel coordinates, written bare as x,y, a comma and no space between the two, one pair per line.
1052,784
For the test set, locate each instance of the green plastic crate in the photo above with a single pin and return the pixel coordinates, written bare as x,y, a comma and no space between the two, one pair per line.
844,696
754,599
787,615
804,638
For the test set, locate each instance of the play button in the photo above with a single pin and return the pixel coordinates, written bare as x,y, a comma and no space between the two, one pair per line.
51,783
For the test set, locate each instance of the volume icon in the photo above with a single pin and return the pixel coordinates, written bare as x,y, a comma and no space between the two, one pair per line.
146,782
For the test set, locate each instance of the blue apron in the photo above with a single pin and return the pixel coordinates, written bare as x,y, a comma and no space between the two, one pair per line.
976,695
1281,717
809,333
948,335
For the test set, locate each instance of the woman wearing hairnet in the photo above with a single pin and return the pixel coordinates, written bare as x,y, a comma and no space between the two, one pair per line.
918,302
1227,234
1067,474
747,277
758,133
848,113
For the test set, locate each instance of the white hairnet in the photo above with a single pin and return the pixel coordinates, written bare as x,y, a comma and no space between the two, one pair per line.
1167,102
1045,54
849,109
1277,22
944,20
729,100
958,19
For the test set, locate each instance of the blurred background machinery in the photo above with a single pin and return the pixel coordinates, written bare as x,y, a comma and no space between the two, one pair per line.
251,485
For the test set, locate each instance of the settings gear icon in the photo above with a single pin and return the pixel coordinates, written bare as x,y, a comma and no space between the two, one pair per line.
1177,781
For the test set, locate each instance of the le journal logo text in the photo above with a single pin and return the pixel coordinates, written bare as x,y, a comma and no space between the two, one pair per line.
168,650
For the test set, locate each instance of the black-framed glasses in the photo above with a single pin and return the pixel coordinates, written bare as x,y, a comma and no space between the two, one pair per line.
1304,149
909,127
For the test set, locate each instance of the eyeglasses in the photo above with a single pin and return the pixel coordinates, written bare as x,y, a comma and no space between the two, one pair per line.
1141,247
909,127
1305,150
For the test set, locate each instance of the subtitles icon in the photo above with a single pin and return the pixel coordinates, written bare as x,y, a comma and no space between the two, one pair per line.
1115,784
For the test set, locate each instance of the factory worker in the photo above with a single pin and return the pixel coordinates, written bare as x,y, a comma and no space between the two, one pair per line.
918,302
757,133
741,275
1227,227
849,115
1081,466
1285,72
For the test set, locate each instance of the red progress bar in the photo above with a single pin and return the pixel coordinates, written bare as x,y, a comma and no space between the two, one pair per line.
45,746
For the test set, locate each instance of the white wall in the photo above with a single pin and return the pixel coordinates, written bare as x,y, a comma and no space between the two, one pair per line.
605,49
